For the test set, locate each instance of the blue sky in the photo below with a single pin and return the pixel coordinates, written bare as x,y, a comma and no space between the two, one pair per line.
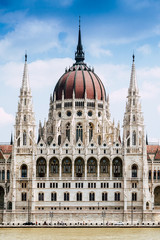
111,31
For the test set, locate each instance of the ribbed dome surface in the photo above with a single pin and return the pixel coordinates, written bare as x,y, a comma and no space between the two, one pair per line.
80,79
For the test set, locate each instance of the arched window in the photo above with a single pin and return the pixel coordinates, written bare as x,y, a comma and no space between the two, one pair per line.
24,118
24,196
92,165
79,165
79,132
79,196
3,175
91,196
90,131
41,167
104,165
53,166
104,196
8,175
41,196
99,139
54,196
134,170
18,142
66,165
24,138
9,205
24,170
59,140
66,196
117,167
134,196
134,138
68,131
117,197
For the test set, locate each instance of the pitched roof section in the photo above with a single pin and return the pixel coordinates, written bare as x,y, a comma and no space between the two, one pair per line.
153,150
6,149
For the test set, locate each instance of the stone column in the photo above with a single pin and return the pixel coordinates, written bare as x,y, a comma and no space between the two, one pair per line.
85,170
47,168
98,168
72,169
60,170
111,169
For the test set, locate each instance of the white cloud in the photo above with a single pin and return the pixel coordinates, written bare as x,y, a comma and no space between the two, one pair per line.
98,51
41,73
5,118
150,90
37,36
145,49
113,74
118,95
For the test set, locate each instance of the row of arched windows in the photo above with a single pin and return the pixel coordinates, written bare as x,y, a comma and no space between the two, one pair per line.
79,196
79,133
79,167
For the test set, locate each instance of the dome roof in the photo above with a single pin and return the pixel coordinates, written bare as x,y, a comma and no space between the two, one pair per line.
80,79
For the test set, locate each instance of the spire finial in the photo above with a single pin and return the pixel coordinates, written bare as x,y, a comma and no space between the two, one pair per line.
79,55
25,55
79,22
133,56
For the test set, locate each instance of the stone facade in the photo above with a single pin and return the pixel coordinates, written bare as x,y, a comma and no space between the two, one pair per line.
79,170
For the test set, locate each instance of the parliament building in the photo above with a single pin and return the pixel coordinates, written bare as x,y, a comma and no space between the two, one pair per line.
79,170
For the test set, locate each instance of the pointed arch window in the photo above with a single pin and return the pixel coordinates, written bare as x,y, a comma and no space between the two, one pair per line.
24,171
90,131
104,196
92,196
134,170
79,196
134,196
24,196
59,140
8,175
134,138
66,196
99,139
79,132
24,138
54,196
41,196
117,196
24,118
68,131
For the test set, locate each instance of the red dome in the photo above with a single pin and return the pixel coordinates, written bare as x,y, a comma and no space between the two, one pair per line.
79,78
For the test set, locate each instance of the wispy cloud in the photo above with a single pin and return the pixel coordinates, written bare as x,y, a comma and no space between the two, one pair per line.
145,49
42,73
98,51
5,118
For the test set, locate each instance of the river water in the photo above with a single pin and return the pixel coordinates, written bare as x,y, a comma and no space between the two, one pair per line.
79,234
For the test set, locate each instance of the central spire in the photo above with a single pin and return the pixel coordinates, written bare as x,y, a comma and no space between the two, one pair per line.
79,55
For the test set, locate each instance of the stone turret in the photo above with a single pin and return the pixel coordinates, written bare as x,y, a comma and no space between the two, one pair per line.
25,119
133,123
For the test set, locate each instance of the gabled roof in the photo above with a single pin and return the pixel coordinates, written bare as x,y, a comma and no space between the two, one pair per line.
153,150
6,149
